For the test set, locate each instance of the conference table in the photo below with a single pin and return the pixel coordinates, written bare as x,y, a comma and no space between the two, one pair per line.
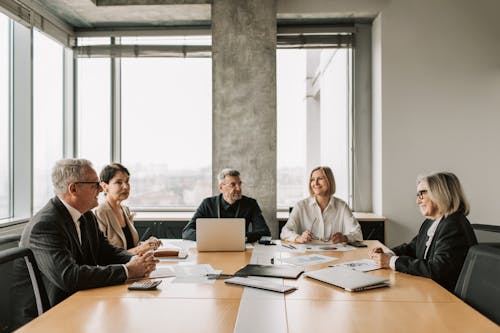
409,304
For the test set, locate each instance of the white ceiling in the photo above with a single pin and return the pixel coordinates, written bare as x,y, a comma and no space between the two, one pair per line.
84,14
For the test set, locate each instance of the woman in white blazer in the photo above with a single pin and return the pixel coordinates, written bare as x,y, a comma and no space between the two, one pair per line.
321,216
115,219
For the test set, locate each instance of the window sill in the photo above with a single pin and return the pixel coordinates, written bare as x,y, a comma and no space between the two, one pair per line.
12,221
187,215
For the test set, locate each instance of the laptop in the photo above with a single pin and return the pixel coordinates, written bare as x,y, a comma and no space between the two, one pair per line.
347,278
220,234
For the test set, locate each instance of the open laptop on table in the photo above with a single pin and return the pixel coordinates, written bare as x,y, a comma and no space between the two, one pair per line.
347,278
220,234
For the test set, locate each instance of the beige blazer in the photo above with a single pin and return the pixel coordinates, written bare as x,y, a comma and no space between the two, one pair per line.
109,225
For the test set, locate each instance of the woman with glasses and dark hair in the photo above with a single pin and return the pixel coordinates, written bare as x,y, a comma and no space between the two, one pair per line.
322,216
115,219
438,251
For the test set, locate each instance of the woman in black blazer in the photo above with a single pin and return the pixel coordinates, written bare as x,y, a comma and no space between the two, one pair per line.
439,250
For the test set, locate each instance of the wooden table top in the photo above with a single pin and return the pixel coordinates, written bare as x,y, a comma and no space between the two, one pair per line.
410,304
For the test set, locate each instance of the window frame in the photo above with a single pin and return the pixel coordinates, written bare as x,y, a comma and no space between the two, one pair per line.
115,50
291,34
21,121
8,106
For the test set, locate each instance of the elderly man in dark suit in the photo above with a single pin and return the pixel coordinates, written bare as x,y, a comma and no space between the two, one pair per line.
70,250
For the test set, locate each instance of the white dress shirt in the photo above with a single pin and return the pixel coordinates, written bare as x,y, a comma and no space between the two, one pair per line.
75,215
430,234
336,217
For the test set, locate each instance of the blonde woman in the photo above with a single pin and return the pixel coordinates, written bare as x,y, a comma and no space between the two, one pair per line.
438,251
321,216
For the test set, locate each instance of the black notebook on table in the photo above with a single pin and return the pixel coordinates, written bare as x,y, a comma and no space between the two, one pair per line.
279,271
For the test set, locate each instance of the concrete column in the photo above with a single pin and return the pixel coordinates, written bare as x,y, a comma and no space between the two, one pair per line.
362,121
244,97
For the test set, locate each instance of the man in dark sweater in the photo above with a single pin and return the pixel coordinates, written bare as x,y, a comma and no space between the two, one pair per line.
230,204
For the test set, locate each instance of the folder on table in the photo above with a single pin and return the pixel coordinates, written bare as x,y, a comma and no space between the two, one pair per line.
279,271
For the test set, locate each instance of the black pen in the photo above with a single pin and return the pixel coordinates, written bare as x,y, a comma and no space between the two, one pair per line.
288,246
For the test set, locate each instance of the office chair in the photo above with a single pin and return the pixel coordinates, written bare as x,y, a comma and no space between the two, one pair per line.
9,241
487,234
478,281
13,289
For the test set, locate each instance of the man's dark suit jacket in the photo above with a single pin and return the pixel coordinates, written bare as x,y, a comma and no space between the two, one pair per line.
246,208
66,265
446,254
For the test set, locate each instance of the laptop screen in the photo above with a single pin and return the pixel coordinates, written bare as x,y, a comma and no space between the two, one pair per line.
224,234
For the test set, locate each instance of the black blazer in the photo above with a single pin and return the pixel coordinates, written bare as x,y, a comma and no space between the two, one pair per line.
446,254
67,266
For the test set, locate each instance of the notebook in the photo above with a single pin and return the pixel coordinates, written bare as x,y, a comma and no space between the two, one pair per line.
169,251
220,234
247,282
280,271
348,279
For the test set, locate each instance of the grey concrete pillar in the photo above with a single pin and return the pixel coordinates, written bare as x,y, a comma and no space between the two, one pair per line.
244,97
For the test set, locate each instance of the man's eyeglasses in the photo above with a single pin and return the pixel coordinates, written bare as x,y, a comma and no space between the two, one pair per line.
233,185
420,194
97,184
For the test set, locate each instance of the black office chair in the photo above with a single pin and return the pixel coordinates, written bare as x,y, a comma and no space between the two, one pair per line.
13,289
487,234
281,224
478,284
9,241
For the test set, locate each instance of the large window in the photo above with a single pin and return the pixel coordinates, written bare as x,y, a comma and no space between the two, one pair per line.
158,98
166,130
291,123
334,128
313,94
4,117
47,114
94,110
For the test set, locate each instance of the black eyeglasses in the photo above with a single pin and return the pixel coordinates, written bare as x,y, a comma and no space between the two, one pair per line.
96,184
233,185
420,194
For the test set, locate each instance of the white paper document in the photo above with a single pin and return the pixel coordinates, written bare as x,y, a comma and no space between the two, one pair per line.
328,247
194,270
362,265
185,273
178,243
194,273
285,247
162,272
308,260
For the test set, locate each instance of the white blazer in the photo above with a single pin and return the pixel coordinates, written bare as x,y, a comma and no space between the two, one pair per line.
307,215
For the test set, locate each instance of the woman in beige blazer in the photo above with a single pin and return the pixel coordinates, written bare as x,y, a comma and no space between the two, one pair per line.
115,219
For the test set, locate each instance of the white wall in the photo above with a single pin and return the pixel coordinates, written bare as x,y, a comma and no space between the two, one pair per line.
436,99
437,76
